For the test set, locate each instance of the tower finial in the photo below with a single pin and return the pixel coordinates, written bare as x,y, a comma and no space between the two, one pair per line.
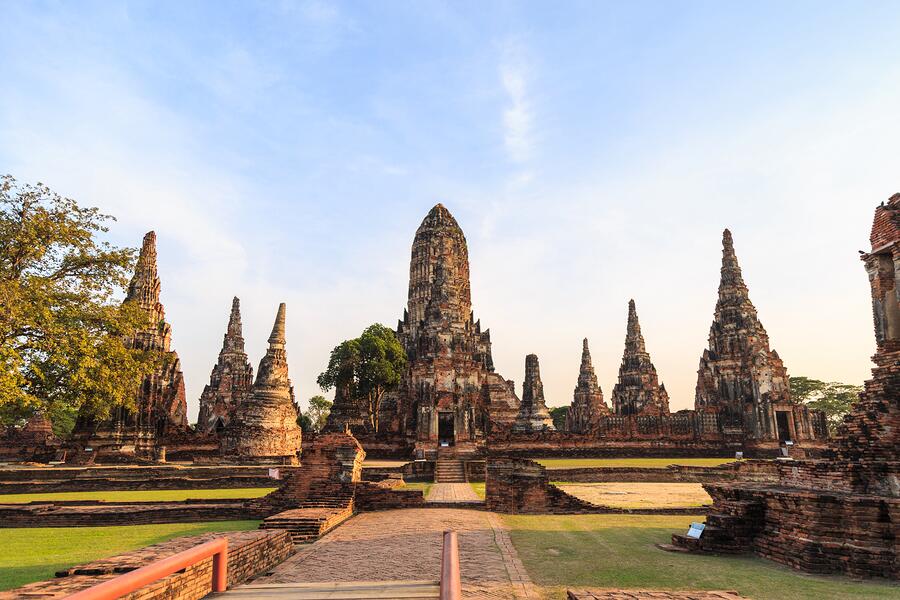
277,336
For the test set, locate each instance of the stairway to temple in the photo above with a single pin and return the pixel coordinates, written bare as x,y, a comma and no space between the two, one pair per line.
330,590
449,470
309,523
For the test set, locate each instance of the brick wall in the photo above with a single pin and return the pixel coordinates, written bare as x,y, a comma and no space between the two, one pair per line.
250,553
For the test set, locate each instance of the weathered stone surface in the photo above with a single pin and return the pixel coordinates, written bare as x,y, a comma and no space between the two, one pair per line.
161,407
638,390
450,392
587,408
840,514
231,379
264,427
740,377
34,441
533,413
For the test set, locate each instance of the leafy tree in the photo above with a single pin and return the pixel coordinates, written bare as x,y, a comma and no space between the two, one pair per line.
317,413
367,368
61,330
559,417
304,422
833,398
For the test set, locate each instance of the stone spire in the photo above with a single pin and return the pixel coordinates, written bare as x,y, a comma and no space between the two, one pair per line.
231,378
160,407
264,427
533,413
738,372
587,403
638,390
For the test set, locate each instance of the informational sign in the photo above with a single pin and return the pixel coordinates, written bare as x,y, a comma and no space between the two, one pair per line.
274,474
696,530
739,455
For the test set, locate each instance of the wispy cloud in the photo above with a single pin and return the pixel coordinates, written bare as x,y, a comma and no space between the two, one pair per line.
518,114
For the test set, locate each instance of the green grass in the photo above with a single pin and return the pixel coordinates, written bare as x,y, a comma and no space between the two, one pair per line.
479,488
35,554
138,495
618,551
425,486
652,463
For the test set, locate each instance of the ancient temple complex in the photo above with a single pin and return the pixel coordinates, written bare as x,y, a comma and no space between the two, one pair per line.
587,407
533,413
161,407
450,394
638,390
740,377
264,426
837,514
230,381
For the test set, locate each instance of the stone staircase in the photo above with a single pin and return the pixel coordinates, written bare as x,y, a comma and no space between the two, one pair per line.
328,504
449,470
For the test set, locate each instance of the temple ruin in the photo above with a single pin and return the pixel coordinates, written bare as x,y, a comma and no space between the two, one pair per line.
450,394
533,413
264,426
587,407
638,390
231,379
740,378
160,408
837,514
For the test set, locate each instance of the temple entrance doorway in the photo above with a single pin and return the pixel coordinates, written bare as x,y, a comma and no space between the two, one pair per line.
784,426
445,429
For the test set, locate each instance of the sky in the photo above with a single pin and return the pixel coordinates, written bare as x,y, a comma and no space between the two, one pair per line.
592,152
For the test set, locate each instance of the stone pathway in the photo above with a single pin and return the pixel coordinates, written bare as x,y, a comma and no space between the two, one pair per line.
406,545
452,492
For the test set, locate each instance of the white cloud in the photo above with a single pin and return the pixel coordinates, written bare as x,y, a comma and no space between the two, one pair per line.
518,115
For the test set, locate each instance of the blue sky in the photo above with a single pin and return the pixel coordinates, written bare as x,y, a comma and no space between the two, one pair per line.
591,151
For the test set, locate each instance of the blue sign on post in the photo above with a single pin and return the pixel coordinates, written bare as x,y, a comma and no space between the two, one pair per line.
696,530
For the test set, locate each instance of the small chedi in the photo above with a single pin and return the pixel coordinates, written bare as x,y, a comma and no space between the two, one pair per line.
638,390
33,441
161,407
841,513
264,426
230,381
533,413
449,394
740,378
587,408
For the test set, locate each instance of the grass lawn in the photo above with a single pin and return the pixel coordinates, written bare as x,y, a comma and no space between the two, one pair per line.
479,488
35,554
138,495
425,486
652,463
618,551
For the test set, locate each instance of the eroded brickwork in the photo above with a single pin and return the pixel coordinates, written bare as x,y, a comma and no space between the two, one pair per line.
160,408
587,408
264,427
533,413
638,391
231,379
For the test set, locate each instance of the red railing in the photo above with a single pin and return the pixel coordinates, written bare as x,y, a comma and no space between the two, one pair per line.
135,580
451,587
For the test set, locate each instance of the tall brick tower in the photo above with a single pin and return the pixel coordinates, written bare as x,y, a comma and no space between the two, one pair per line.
638,390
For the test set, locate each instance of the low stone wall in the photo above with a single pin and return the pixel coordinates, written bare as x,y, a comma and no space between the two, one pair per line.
750,470
50,479
371,496
475,470
250,553
520,486
87,514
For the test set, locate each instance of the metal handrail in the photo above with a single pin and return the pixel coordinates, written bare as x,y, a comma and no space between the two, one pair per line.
451,587
135,580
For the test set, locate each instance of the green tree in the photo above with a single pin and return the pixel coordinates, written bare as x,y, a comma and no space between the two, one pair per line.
61,330
833,398
304,422
319,408
559,417
367,368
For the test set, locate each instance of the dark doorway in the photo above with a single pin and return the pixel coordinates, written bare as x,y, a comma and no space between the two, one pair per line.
220,425
445,428
784,426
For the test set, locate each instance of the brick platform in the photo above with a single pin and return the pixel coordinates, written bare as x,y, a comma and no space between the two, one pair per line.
249,553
